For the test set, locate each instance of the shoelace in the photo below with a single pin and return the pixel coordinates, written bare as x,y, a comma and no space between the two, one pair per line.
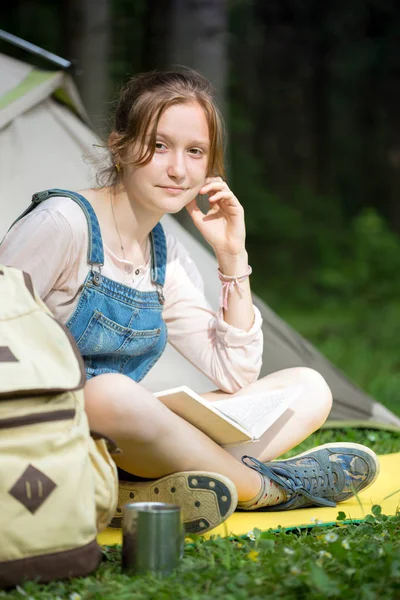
295,485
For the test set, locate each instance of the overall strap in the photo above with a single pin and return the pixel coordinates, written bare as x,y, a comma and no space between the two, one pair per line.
158,246
95,255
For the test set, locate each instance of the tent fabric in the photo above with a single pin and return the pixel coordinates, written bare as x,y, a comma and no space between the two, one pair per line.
27,87
13,73
42,142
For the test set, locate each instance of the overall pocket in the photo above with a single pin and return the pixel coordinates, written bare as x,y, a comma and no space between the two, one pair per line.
103,336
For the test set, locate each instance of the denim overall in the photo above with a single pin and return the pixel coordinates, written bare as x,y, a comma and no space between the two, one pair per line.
117,329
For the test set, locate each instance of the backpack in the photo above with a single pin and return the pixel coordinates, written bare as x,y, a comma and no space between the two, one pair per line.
58,484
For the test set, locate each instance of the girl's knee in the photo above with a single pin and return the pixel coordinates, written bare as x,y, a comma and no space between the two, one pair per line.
312,378
317,394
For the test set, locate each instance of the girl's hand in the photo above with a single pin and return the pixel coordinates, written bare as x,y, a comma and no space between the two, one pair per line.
223,226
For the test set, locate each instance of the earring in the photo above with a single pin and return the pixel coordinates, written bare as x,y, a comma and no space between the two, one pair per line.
118,167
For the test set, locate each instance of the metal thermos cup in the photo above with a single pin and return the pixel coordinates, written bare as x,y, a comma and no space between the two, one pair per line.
152,537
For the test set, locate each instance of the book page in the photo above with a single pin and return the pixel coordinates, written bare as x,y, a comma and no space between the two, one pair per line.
257,413
204,415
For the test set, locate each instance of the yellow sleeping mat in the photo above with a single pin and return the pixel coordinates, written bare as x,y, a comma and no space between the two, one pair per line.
385,492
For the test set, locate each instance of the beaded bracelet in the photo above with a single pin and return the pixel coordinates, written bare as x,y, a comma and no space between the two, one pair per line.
228,284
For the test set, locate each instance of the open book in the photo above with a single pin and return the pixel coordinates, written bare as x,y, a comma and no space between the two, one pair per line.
232,420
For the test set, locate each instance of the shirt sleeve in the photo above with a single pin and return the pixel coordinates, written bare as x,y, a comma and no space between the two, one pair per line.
41,245
231,358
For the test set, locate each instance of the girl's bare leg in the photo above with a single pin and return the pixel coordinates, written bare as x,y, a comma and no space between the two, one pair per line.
304,417
154,441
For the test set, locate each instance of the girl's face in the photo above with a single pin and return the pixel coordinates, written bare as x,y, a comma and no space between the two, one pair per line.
178,168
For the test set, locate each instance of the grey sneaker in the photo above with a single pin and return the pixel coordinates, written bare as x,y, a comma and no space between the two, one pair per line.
322,476
207,499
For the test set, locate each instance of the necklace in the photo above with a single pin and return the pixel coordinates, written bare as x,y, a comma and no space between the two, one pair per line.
116,227
137,271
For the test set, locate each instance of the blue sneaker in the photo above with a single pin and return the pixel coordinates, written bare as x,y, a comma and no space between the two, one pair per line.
322,476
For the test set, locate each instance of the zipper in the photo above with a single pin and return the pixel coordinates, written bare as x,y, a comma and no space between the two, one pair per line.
34,419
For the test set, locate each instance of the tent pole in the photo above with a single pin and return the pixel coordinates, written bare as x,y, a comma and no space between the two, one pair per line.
16,41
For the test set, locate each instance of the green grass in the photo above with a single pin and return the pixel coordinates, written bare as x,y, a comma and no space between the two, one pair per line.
346,561
381,442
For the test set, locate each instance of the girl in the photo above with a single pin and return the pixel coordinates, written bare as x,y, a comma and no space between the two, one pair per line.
102,263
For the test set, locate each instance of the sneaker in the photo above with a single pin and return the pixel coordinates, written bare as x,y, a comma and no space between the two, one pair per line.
206,499
322,476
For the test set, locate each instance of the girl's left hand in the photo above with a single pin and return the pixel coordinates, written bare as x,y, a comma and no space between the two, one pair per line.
223,225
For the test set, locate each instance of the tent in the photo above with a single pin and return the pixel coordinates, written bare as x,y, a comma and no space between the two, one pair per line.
44,130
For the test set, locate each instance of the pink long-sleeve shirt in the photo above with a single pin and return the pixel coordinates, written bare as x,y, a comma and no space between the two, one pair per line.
50,244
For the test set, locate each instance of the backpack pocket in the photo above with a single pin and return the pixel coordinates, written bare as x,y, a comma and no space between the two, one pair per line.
48,515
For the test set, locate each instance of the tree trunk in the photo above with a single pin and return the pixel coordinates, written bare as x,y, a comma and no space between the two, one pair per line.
87,29
320,86
157,34
198,39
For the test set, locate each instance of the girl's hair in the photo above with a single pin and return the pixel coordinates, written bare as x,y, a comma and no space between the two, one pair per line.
142,101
